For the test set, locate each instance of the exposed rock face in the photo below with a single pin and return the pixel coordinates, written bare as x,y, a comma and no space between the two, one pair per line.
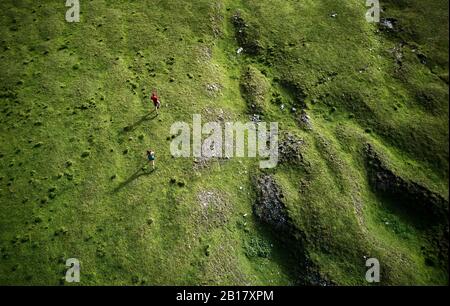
270,209
417,200
411,194
290,149
269,206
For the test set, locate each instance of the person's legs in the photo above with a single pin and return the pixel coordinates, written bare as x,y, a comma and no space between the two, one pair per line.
153,164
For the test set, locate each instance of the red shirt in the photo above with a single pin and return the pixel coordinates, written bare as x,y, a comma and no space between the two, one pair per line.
155,99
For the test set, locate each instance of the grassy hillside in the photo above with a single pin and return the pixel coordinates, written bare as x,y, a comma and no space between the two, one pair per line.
367,104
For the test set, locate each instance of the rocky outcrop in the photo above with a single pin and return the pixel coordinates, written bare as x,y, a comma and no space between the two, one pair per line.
290,149
410,194
269,206
270,209
416,200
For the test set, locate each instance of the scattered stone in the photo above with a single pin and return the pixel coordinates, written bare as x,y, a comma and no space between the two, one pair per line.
215,210
213,89
305,121
290,148
255,118
388,24
269,206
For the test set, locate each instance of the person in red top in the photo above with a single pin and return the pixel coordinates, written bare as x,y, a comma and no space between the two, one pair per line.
156,101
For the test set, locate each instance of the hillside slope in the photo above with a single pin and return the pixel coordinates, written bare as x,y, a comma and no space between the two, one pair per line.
363,117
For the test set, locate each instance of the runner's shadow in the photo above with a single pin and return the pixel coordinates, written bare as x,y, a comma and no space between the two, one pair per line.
132,178
133,126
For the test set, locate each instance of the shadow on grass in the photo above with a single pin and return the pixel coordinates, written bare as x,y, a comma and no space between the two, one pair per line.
286,253
133,126
140,172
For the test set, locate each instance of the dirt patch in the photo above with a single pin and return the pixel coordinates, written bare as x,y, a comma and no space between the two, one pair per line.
215,210
205,54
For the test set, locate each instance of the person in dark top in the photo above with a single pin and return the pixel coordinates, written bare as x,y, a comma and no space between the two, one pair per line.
151,157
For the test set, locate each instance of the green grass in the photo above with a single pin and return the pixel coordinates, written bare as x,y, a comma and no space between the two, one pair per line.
75,122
